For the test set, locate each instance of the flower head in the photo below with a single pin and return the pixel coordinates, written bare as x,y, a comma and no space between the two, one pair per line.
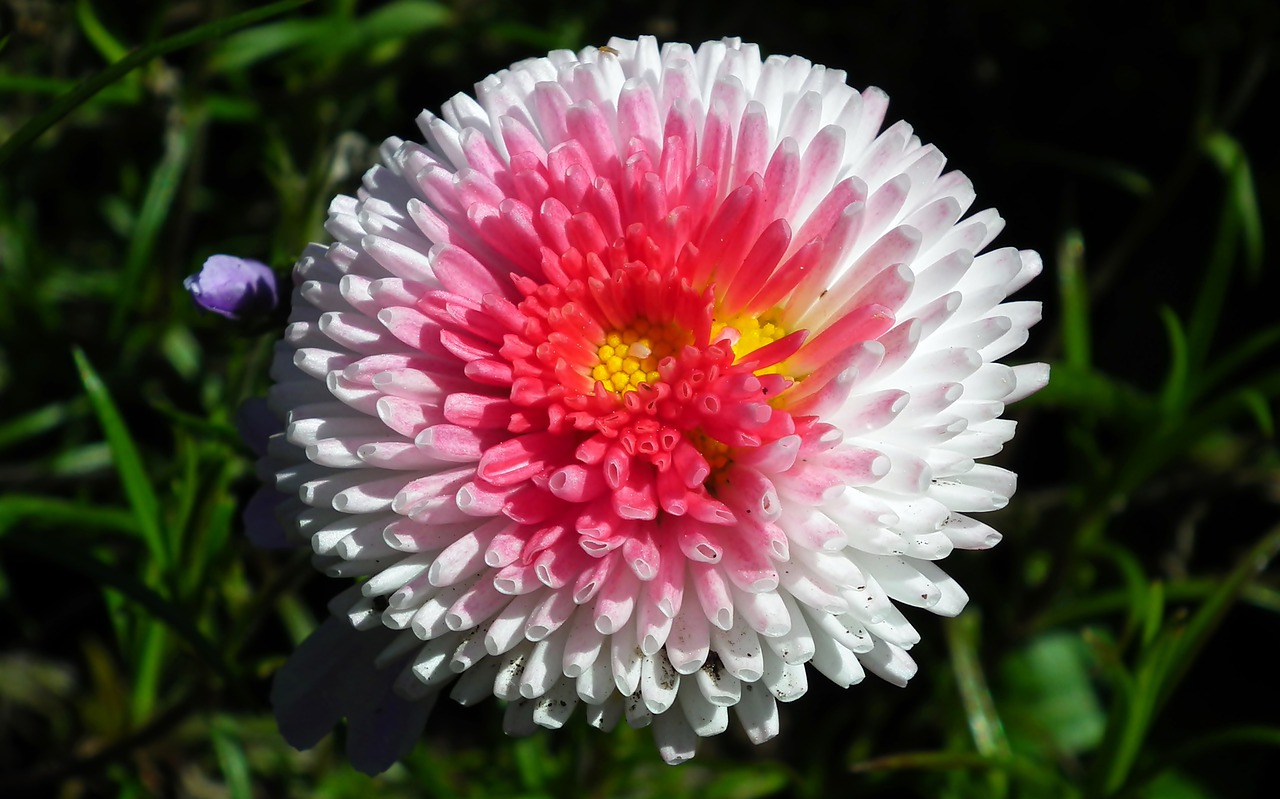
655,383
237,288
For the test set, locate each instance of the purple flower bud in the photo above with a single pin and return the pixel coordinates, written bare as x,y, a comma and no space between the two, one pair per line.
237,288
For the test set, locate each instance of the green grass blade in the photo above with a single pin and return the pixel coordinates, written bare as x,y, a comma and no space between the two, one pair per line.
403,18
122,94
64,513
975,695
97,34
1073,291
1176,391
55,548
165,180
980,709
1210,614
73,99
1135,582
1230,157
137,486
262,42
1226,364
1217,275
1258,407
41,420
231,758
148,668
1231,739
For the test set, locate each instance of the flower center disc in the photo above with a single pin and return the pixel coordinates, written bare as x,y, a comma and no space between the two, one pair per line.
630,357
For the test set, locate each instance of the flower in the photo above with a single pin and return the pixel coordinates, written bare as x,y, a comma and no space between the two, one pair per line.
237,288
655,382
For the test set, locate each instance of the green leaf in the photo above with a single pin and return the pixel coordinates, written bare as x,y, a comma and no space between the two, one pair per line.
261,42
148,668
1050,686
747,782
1035,780
1088,391
980,710
1258,407
1226,364
1073,291
178,141
182,351
1233,225
1154,615
122,94
1176,391
1195,634
73,99
1230,739
41,420
1135,582
63,513
107,45
1172,785
1242,199
404,18
231,758
55,548
332,38
1163,664
137,486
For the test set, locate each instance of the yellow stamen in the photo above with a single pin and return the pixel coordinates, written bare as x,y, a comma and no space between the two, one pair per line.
754,332
715,451
630,356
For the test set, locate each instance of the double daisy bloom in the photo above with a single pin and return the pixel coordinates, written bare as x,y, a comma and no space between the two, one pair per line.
656,382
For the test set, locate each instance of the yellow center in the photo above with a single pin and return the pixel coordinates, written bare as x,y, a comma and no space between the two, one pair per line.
716,452
754,332
630,356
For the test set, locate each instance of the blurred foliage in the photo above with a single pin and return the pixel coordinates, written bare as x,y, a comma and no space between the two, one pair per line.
1108,649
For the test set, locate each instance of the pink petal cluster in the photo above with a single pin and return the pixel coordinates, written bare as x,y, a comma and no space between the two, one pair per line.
653,383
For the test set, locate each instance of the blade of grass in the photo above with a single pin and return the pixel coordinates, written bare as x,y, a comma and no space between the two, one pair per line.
1135,582
1037,781
1260,409
58,550
1163,664
137,486
1231,738
122,94
73,99
148,667
107,45
179,139
1217,276
980,709
58,512
1230,157
1073,291
41,420
1176,391
1210,614
1225,364
262,42
231,758
1108,603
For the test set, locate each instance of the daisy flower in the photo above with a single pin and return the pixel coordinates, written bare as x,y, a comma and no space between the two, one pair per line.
655,382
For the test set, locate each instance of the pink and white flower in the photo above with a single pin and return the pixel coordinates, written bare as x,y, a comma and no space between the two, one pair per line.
654,382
